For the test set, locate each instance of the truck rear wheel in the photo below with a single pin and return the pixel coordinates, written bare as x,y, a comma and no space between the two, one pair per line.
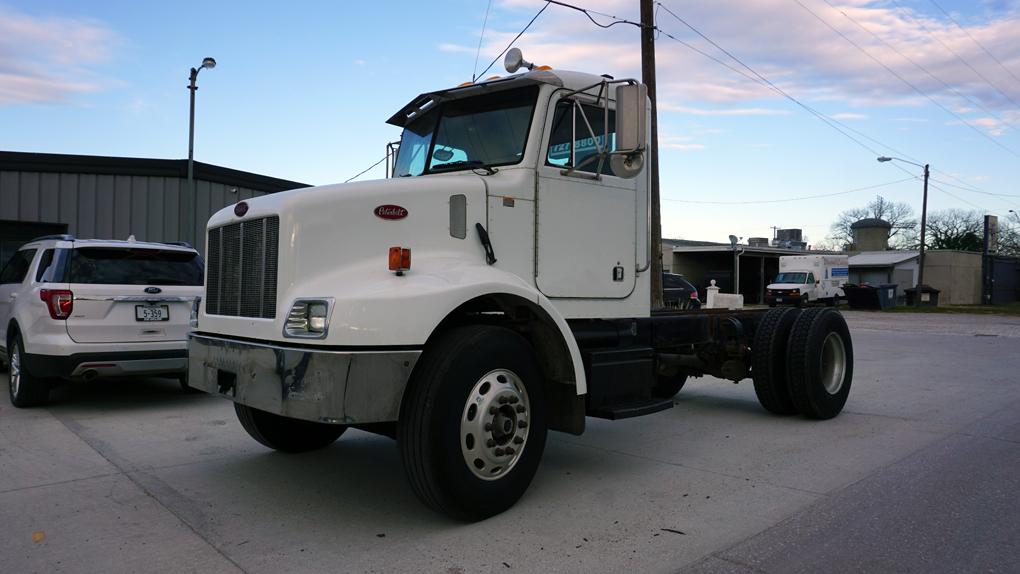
472,426
768,368
284,433
820,363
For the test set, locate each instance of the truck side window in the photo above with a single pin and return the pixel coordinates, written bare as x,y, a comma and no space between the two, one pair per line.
17,267
811,278
569,128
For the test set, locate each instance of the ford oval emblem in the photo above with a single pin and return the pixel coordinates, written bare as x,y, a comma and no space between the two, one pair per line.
390,212
153,290
241,208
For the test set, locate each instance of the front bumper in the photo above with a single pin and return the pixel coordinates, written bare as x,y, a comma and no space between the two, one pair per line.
784,299
302,381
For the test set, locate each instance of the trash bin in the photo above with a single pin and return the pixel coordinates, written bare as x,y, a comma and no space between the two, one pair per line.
887,295
862,296
929,296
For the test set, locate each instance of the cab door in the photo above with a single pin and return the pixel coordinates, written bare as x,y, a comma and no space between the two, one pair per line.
586,221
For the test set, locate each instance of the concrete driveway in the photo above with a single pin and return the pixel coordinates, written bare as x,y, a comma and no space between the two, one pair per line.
919,474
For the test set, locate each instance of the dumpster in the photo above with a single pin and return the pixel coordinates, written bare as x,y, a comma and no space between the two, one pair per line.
870,296
929,296
887,295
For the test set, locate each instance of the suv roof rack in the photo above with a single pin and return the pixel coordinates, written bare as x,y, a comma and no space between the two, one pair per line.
60,236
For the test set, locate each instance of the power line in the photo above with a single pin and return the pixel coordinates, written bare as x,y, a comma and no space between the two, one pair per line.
366,170
920,67
835,124
953,52
481,37
519,34
589,13
973,39
757,78
819,196
905,81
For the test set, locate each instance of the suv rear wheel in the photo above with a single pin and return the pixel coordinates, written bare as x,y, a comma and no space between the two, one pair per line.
25,390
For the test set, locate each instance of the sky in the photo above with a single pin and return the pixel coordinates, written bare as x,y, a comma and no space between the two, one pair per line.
771,112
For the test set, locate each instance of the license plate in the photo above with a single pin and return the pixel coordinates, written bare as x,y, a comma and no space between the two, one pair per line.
152,312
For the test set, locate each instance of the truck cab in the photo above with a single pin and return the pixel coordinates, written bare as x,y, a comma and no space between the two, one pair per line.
495,287
807,279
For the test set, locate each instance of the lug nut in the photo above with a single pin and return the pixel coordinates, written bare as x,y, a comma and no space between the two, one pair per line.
518,440
498,451
510,450
491,443
522,424
493,410
520,408
514,400
488,426
503,400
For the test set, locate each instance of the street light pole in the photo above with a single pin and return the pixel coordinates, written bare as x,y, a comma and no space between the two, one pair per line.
924,224
188,204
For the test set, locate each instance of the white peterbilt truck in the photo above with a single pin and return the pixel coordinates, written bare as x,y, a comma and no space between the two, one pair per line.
496,287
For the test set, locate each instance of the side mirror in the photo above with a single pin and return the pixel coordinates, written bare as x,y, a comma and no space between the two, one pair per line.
631,129
630,117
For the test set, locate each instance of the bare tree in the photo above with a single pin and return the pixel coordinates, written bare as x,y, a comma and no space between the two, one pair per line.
898,214
1009,238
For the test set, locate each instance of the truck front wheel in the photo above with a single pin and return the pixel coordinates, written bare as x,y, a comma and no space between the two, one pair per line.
472,426
820,363
284,433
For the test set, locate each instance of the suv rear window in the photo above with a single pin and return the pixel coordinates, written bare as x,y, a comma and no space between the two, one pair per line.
113,266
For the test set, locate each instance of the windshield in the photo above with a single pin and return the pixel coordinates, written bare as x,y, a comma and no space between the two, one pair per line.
471,133
798,278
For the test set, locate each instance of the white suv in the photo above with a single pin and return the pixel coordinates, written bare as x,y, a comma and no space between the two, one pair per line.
80,309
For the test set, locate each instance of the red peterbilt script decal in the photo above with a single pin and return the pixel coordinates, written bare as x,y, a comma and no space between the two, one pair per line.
390,212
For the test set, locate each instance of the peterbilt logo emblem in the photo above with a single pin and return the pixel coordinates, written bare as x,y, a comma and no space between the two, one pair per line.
390,212
153,290
240,209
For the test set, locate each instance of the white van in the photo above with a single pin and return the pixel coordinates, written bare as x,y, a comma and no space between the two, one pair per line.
807,278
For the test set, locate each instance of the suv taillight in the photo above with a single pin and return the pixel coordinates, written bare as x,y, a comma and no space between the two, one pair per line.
694,294
59,302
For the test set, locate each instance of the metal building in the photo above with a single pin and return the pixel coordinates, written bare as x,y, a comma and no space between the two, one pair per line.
114,197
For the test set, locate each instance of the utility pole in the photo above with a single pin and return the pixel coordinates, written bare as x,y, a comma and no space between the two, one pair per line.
924,224
648,78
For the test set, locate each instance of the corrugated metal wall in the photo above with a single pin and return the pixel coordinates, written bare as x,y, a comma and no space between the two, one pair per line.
114,206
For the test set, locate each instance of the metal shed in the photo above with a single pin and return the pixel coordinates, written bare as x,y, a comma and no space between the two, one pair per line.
114,197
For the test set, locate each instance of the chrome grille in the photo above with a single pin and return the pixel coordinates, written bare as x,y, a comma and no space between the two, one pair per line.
241,277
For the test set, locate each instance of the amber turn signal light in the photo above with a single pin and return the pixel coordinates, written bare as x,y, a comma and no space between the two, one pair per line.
400,260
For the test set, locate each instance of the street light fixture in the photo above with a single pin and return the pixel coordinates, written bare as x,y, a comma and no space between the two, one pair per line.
1017,216
189,212
924,222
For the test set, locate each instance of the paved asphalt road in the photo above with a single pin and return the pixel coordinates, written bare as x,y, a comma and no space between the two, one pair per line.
919,474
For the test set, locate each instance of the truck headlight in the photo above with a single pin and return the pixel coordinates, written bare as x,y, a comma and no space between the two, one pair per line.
308,318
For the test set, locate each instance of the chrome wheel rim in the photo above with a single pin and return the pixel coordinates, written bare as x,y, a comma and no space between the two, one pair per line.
833,363
15,370
494,425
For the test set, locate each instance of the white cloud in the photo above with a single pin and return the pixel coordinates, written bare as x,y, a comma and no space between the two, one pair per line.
691,111
849,116
48,60
786,44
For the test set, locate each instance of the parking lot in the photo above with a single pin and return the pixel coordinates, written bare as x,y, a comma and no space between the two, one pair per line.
919,474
